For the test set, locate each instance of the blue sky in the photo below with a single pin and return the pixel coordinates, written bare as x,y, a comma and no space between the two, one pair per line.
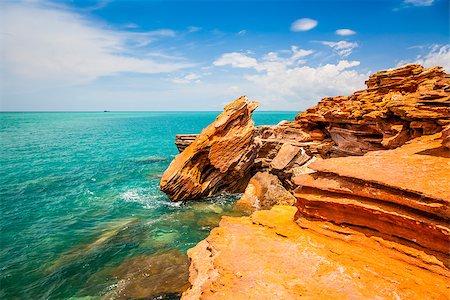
199,55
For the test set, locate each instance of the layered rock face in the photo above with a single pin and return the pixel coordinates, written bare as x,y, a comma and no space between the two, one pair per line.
364,227
408,198
219,159
397,106
268,256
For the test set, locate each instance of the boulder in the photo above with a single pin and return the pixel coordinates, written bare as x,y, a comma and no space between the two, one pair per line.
264,191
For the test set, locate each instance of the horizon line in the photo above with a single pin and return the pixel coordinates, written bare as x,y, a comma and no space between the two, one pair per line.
113,111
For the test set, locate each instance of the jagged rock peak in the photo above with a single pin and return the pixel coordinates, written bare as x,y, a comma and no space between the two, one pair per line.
222,153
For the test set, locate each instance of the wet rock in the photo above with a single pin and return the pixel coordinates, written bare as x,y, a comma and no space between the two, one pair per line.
146,277
110,232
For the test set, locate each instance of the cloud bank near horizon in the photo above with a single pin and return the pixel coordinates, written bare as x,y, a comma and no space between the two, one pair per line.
58,57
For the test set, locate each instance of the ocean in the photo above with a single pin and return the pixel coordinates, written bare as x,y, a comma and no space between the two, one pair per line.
80,200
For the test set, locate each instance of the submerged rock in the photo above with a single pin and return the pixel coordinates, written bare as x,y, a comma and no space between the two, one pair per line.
147,277
110,232
269,256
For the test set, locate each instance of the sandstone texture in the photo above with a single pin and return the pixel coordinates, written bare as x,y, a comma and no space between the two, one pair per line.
264,191
269,256
222,153
398,105
408,199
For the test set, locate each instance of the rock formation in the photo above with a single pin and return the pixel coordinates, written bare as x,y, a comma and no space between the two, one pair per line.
151,277
221,154
365,227
371,179
397,106
408,199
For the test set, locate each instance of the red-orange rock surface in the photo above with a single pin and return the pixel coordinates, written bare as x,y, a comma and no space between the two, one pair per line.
269,256
402,193
263,191
398,105
219,158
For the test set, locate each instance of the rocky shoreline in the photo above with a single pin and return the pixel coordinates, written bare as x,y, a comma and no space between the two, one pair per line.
368,175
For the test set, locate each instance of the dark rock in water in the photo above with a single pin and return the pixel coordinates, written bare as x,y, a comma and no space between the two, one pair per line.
182,141
155,176
163,275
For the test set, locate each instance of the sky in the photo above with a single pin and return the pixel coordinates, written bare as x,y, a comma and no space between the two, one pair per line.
136,55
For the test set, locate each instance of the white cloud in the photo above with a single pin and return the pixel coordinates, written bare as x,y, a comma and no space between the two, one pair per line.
419,2
345,32
188,78
270,61
236,60
286,78
304,24
343,48
438,55
242,32
50,44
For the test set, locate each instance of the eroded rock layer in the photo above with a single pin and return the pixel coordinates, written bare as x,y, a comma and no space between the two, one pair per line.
219,159
269,256
372,205
398,105
401,193
264,191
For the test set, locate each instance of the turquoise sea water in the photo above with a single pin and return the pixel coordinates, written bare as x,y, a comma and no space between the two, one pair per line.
80,196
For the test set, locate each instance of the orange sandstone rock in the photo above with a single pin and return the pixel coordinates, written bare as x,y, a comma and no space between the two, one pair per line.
264,191
401,193
420,167
221,154
269,256
397,106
